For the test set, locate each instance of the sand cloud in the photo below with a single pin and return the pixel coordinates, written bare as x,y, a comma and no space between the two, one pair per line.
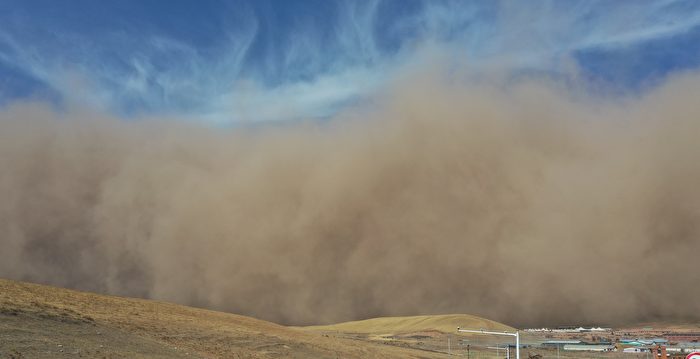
530,203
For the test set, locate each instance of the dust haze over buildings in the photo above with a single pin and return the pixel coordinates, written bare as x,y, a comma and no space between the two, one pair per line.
531,203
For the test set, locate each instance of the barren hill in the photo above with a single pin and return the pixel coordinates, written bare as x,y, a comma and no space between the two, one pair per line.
38,321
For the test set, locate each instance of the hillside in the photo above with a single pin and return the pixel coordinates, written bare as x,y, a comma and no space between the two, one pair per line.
442,323
38,321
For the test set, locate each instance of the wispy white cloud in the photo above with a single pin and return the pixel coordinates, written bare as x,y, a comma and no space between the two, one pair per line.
258,69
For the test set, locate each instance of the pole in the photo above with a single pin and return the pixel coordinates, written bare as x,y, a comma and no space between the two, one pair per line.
517,344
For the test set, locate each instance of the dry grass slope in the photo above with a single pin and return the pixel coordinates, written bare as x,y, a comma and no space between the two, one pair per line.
447,323
39,321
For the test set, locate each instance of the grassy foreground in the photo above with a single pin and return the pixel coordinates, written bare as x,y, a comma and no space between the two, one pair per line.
447,323
38,321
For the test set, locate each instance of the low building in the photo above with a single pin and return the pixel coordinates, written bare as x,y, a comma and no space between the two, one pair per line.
643,342
684,347
589,347
559,343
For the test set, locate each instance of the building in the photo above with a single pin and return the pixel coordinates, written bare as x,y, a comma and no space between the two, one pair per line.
684,347
635,342
589,347
643,342
559,343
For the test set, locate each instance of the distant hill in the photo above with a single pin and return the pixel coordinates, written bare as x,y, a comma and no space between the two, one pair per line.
443,323
38,321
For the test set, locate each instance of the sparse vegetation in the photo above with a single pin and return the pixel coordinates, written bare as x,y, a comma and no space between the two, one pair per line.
39,321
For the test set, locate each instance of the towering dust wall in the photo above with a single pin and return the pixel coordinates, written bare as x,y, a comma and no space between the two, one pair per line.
531,204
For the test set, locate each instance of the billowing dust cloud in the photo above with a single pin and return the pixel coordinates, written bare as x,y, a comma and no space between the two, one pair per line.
531,203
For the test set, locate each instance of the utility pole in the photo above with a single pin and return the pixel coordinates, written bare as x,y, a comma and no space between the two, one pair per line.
481,331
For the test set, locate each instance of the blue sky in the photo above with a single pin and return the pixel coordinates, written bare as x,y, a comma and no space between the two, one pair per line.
232,61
